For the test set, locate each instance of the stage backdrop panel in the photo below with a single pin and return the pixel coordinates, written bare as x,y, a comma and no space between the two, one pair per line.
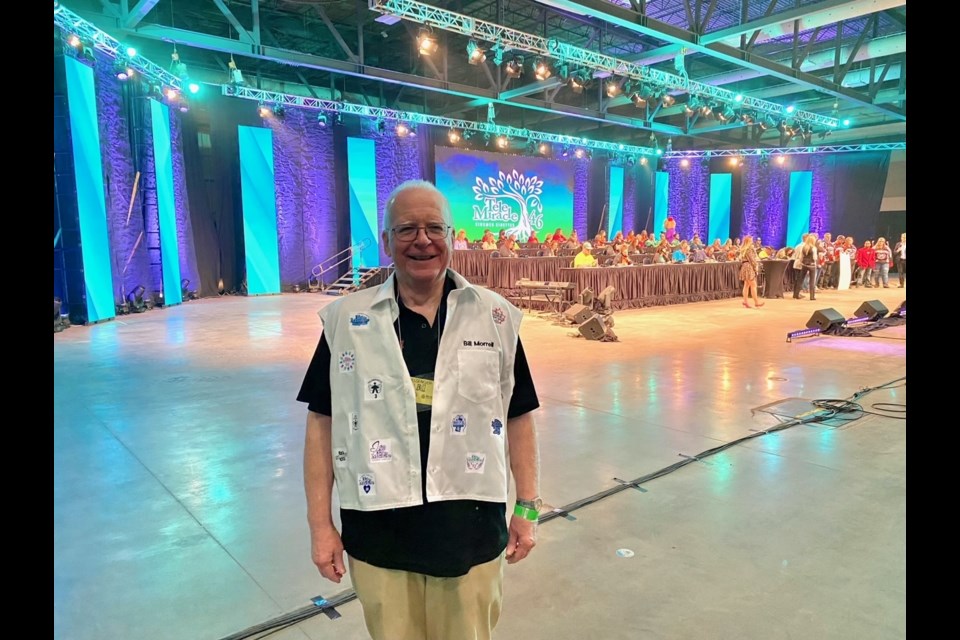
362,177
720,192
163,165
661,201
91,201
259,210
798,213
497,191
615,205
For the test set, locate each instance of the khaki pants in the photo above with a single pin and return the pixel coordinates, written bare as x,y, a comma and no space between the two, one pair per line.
399,605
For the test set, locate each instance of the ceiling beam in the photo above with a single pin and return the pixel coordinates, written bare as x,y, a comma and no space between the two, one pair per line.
138,13
622,17
809,16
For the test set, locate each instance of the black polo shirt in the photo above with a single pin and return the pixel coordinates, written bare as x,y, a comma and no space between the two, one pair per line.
446,538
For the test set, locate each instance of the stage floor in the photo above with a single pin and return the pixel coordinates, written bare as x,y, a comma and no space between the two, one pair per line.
178,494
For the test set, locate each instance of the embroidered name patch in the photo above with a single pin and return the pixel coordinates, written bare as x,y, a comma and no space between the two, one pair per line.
475,462
347,361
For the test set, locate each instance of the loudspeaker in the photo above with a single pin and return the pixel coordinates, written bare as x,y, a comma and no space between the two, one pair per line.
592,329
823,319
873,309
577,313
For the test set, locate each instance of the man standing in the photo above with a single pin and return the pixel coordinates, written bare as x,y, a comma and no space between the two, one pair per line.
900,253
416,391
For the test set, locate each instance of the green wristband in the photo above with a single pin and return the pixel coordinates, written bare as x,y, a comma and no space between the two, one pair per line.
526,513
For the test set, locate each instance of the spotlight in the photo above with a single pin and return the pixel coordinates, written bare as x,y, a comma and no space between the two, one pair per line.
279,110
684,163
194,88
845,122
790,108
667,100
638,99
781,160
612,88
135,300
643,161
475,55
503,142
565,152
171,93
732,161
747,117
263,110
427,43
727,114
381,126
74,41
185,292
541,69
122,69
402,130
131,52
578,81
184,106
738,97
453,136
322,120
578,153
705,110
543,149
514,68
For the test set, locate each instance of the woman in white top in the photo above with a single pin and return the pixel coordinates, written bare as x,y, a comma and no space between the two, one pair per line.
461,241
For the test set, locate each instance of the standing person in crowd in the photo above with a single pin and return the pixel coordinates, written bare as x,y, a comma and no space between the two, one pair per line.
900,253
866,261
883,258
805,259
421,470
749,268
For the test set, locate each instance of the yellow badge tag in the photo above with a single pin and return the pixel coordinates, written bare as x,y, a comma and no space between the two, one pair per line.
423,389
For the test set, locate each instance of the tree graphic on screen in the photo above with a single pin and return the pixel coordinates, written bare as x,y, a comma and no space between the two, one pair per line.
525,192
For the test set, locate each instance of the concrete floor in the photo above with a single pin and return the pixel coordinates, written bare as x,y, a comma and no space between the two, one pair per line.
179,510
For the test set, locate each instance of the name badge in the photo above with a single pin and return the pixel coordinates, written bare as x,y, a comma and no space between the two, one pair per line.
423,389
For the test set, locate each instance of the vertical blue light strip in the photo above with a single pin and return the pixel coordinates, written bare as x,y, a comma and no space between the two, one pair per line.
721,188
798,213
259,210
362,176
661,197
91,201
166,206
615,209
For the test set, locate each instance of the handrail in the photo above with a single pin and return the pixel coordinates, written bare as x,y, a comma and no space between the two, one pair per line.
321,269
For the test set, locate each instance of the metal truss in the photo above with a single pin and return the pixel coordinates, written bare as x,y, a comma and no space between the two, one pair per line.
70,23
566,53
788,151
491,128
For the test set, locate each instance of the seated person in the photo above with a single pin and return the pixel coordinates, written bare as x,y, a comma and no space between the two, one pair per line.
488,244
698,255
558,236
680,253
533,239
549,248
508,248
573,242
623,257
585,257
696,243
600,240
461,241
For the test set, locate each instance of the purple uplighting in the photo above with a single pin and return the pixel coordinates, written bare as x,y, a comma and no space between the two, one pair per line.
398,160
689,196
581,178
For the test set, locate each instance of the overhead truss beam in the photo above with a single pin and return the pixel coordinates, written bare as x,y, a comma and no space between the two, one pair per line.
513,39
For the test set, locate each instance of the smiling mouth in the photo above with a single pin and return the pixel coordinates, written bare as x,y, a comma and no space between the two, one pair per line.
421,258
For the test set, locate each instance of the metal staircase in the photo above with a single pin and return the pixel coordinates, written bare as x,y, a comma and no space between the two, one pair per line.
354,279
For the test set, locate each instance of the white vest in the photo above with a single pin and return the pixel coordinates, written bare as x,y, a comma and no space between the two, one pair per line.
375,438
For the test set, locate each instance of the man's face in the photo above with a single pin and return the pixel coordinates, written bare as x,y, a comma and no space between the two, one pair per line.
422,259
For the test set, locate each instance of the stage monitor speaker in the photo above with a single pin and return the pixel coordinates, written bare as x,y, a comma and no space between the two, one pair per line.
577,313
823,319
592,329
873,309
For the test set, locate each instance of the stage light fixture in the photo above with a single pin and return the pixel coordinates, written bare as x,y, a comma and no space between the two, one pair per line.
279,111
541,69
402,130
171,93
726,114
475,55
322,119
578,81
193,88
667,100
578,153
235,76
74,41
183,106
503,142
705,110
122,69
453,136
781,160
544,149
738,97
427,42
177,66
131,52
685,163
135,300
612,88
514,68
790,108
637,98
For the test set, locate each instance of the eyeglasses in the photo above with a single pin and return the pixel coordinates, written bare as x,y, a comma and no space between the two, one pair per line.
408,232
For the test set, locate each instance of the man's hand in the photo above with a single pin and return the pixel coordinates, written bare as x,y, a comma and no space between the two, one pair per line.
327,551
522,540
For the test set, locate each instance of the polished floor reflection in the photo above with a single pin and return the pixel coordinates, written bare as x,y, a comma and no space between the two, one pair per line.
179,511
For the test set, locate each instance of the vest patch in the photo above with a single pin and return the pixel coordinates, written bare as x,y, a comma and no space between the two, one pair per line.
368,485
475,462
